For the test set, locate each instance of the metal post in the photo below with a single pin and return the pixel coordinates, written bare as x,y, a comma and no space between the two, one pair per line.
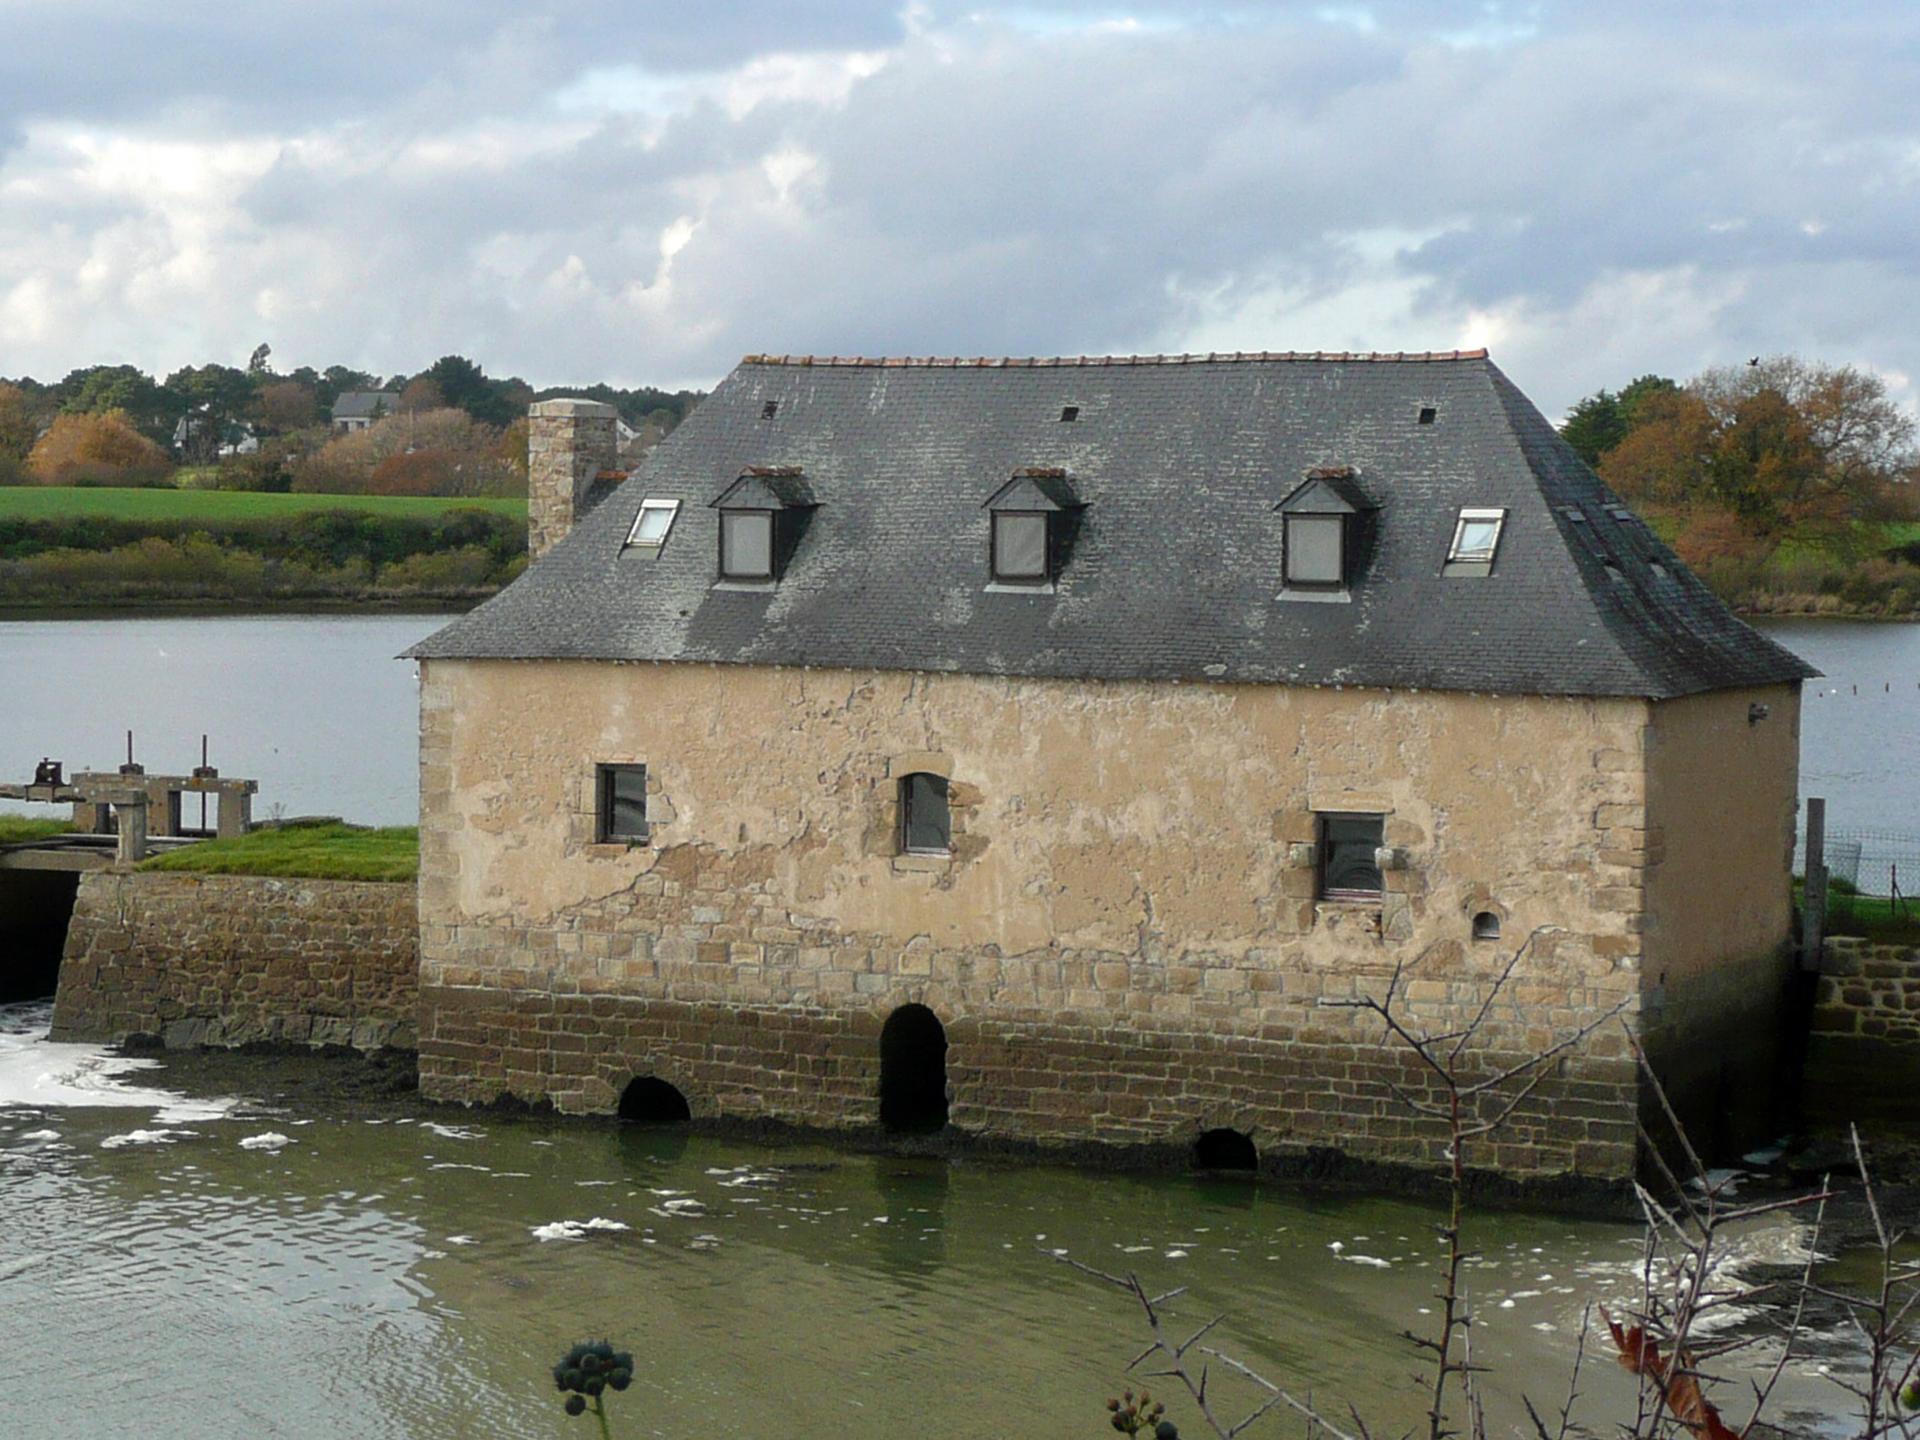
1813,919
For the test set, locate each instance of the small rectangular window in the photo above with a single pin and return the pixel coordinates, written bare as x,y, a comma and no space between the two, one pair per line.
1349,864
926,822
651,525
1019,546
1476,535
746,544
620,808
1315,550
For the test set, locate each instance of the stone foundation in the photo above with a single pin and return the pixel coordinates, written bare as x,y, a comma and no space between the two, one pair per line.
230,960
1863,1057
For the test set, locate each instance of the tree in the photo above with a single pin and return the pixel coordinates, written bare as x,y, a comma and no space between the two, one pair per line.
336,380
100,388
465,386
421,394
283,406
216,397
1599,423
19,423
257,362
96,450
1784,446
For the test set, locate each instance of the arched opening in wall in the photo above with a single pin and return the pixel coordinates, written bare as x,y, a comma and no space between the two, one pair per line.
1225,1150
913,1071
35,909
1486,926
652,1101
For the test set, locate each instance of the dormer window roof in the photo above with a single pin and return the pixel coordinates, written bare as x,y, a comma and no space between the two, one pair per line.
1323,525
1033,519
762,517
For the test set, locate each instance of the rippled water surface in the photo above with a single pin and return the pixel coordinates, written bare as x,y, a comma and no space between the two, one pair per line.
384,1276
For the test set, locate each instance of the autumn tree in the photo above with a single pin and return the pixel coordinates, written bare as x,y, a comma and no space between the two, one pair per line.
1603,420
19,423
1784,446
102,449
422,393
282,406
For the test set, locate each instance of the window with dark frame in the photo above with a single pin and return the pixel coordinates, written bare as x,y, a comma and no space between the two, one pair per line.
1315,551
1349,864
926,821
620,807
746,544
1020,546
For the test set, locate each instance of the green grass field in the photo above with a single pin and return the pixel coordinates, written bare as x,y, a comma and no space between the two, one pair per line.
320,851
64,502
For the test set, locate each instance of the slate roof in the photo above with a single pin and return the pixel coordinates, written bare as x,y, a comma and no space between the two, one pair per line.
361,404
1175,570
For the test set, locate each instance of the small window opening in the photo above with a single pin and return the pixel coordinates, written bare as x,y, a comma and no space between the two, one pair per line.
1314,549
1225,1150
1428,414
913,1071
651,525
1349,859
1069,414
770,409
926,820
1019,546
620,807
1486,926
746,544
652,1101
1476,535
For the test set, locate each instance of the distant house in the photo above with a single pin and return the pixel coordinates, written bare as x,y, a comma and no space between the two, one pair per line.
357,409
237,437
1036,746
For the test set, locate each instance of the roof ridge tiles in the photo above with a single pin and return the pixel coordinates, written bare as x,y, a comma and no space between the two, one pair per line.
1017,362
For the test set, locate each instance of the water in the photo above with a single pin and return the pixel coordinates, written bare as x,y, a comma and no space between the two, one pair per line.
1860,722
314,707
380,1275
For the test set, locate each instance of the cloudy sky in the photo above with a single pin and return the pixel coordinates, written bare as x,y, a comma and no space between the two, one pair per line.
642,192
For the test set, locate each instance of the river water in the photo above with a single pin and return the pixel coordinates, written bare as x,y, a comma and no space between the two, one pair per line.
166,1271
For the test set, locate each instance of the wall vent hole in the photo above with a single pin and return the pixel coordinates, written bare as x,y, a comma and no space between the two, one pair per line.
1486,926
1428,414
1069,413
770,409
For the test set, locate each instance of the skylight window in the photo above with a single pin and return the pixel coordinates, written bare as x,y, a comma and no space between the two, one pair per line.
1476,535
651,525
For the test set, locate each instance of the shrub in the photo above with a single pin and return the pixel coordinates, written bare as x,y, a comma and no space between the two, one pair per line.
102,449
469,568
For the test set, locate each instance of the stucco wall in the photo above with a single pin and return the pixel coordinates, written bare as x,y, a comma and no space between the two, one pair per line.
228,960
1719,1007
1124,947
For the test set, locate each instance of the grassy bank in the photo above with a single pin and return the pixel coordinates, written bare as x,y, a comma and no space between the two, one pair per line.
17,829
88,546
319,851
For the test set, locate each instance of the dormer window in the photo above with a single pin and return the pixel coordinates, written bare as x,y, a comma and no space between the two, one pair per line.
746,544
1476,536
1325,526
763,514
651,525
1033,520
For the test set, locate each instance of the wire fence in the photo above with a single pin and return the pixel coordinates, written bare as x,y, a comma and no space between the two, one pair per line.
1868,865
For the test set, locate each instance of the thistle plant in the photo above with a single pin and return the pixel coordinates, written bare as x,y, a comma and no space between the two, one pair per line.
1141,1416
586,1372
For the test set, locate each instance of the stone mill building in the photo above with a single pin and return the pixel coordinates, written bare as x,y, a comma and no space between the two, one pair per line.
1031,746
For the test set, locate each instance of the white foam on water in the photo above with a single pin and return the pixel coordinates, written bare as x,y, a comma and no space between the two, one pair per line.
270,1140
454,1132
44,1075
41,1135
145,1137
1373,1262
575,1229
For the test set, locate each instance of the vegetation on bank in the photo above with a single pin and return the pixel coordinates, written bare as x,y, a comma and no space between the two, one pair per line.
65,547
310,850
19,829
1789,486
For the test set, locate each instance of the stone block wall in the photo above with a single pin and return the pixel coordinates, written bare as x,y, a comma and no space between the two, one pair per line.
1863,1056
1126,945
229,960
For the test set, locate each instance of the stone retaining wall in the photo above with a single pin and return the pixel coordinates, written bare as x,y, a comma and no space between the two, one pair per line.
1863,1057
229,960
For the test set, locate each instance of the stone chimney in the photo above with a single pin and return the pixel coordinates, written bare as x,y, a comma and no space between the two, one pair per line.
569,442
